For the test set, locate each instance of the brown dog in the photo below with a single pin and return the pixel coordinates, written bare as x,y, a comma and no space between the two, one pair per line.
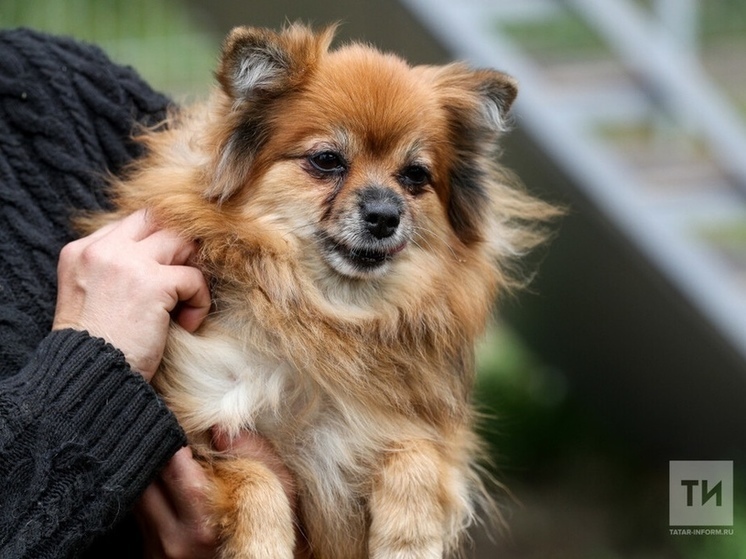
355,229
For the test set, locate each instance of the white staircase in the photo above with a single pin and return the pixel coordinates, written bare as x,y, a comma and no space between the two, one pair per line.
637,125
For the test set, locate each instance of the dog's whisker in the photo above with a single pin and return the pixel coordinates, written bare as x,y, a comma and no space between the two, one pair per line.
418,233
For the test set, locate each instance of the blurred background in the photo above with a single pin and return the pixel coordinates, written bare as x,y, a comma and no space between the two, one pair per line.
629,349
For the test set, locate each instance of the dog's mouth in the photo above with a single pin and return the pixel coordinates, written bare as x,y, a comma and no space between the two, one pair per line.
359,261
367,257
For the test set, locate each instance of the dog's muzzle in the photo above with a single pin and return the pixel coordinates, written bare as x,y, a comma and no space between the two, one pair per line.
370,235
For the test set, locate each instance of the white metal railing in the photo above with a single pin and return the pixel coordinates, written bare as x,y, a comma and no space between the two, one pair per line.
673,72
468,29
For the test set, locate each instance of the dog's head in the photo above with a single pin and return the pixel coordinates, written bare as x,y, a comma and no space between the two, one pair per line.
362,161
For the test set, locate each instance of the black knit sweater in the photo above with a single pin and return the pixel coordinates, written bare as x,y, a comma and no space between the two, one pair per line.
81,435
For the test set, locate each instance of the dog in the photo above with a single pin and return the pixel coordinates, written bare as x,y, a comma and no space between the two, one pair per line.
355,229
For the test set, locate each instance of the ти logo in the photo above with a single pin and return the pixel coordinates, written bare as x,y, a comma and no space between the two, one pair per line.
700,493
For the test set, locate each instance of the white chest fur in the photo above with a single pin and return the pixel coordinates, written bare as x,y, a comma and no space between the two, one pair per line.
218,381
214,381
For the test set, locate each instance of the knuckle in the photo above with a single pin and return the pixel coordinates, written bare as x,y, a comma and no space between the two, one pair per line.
70,253
114,262
96,254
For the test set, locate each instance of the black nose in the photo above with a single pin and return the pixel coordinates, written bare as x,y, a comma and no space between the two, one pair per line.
380,210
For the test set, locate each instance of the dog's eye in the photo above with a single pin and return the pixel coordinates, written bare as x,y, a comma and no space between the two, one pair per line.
327,162
414,176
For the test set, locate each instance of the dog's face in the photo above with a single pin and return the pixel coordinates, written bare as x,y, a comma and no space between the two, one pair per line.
368,163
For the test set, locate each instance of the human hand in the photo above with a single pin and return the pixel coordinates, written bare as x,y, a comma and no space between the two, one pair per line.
251,445
122,283
174,513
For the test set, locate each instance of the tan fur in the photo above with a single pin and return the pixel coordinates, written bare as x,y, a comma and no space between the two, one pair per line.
361,382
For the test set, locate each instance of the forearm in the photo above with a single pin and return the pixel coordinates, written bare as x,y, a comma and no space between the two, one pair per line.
81,436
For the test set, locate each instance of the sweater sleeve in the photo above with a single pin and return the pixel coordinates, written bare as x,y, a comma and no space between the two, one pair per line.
80,436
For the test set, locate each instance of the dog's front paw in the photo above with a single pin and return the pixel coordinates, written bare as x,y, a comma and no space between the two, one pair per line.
253,514
407,515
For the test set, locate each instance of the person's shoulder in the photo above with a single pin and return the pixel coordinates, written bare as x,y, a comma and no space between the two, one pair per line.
27,39
25,51
28,52
75,83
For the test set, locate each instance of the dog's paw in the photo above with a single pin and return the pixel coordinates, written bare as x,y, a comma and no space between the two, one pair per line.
254,517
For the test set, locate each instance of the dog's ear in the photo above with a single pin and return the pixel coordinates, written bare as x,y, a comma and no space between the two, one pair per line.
476,104
258,62
257,67
496,93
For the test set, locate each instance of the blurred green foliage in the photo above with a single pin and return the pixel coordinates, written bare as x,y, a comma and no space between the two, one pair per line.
540,435
160,38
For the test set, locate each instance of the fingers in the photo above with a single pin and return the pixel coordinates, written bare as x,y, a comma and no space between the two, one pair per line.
136,226
193,294
174,513
125,283
251,445
168,248
165,246
185,484
248,444
155,504
173,251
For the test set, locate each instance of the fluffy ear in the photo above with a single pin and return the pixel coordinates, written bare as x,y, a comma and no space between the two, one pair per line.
478,99
476,104
257,67
259,62
496,93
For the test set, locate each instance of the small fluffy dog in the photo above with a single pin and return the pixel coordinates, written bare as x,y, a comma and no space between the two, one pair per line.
355,229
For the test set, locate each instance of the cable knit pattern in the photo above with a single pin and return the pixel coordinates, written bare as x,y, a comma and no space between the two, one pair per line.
80,434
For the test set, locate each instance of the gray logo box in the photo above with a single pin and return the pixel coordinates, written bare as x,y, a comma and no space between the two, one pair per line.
700,493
